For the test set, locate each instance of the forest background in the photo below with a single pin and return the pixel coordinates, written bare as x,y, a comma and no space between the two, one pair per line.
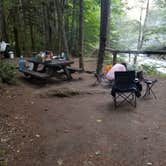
74,26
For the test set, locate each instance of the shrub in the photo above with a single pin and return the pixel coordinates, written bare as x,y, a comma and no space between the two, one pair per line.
150,70
7,72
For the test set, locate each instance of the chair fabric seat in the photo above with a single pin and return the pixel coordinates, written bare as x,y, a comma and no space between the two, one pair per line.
124,88
148,81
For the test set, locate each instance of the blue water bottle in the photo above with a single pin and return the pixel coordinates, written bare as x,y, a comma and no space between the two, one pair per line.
22,64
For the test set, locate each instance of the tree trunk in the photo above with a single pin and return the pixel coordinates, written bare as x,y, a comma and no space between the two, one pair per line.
67,18
61,26
144,25
17,29
81,20
114,58
3,31
22,27
142,30
32,37
51,24
108,29
73,29
1,20
45,15
17,45
105,6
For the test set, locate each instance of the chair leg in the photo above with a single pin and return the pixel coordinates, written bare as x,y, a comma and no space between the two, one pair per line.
149,90
135,100
130,98
115,101
153,93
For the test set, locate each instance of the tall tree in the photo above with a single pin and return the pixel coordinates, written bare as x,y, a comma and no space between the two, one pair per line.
105,7
22,25
15,19
108,29
81,36
61,25
51,29
73,36
3,32
142,29
1,18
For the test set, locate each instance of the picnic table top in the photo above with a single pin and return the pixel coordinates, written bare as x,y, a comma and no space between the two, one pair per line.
54,62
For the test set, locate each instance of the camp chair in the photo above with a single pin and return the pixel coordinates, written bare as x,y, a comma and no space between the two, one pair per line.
124,88
149,84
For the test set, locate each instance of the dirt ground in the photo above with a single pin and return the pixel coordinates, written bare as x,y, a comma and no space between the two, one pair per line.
80,130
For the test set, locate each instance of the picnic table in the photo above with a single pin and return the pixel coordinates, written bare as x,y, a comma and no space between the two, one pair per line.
51,68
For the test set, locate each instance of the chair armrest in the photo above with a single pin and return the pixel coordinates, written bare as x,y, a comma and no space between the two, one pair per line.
136,80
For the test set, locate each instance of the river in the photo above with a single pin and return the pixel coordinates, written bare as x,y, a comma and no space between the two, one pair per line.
145,60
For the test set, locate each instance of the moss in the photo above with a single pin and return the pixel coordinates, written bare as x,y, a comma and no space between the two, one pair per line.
2,157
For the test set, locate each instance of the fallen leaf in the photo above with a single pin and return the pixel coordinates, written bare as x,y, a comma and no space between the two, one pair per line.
37,135
60,161
66,131
99,120
18,151
98,153
46,109
88,163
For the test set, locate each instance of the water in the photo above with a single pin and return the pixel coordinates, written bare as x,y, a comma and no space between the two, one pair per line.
145,60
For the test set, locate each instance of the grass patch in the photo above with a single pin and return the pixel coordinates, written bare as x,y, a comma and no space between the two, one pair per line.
63,92
2,157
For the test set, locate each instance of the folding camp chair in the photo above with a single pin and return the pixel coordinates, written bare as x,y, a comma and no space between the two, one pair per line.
149,84
124,88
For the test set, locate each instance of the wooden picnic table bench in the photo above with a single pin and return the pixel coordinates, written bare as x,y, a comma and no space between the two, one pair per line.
74,69
35,74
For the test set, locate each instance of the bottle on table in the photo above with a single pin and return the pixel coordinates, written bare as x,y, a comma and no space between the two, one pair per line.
22,64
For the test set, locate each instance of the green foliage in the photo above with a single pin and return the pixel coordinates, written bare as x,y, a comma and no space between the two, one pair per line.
2,155
39,15
7,72
92,24
117,15
161,3
109,59
146,68
149,69
125,31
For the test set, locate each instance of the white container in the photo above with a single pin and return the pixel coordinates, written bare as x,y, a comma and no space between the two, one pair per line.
11,55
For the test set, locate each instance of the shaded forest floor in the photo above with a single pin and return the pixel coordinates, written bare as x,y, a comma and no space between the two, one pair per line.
39,129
